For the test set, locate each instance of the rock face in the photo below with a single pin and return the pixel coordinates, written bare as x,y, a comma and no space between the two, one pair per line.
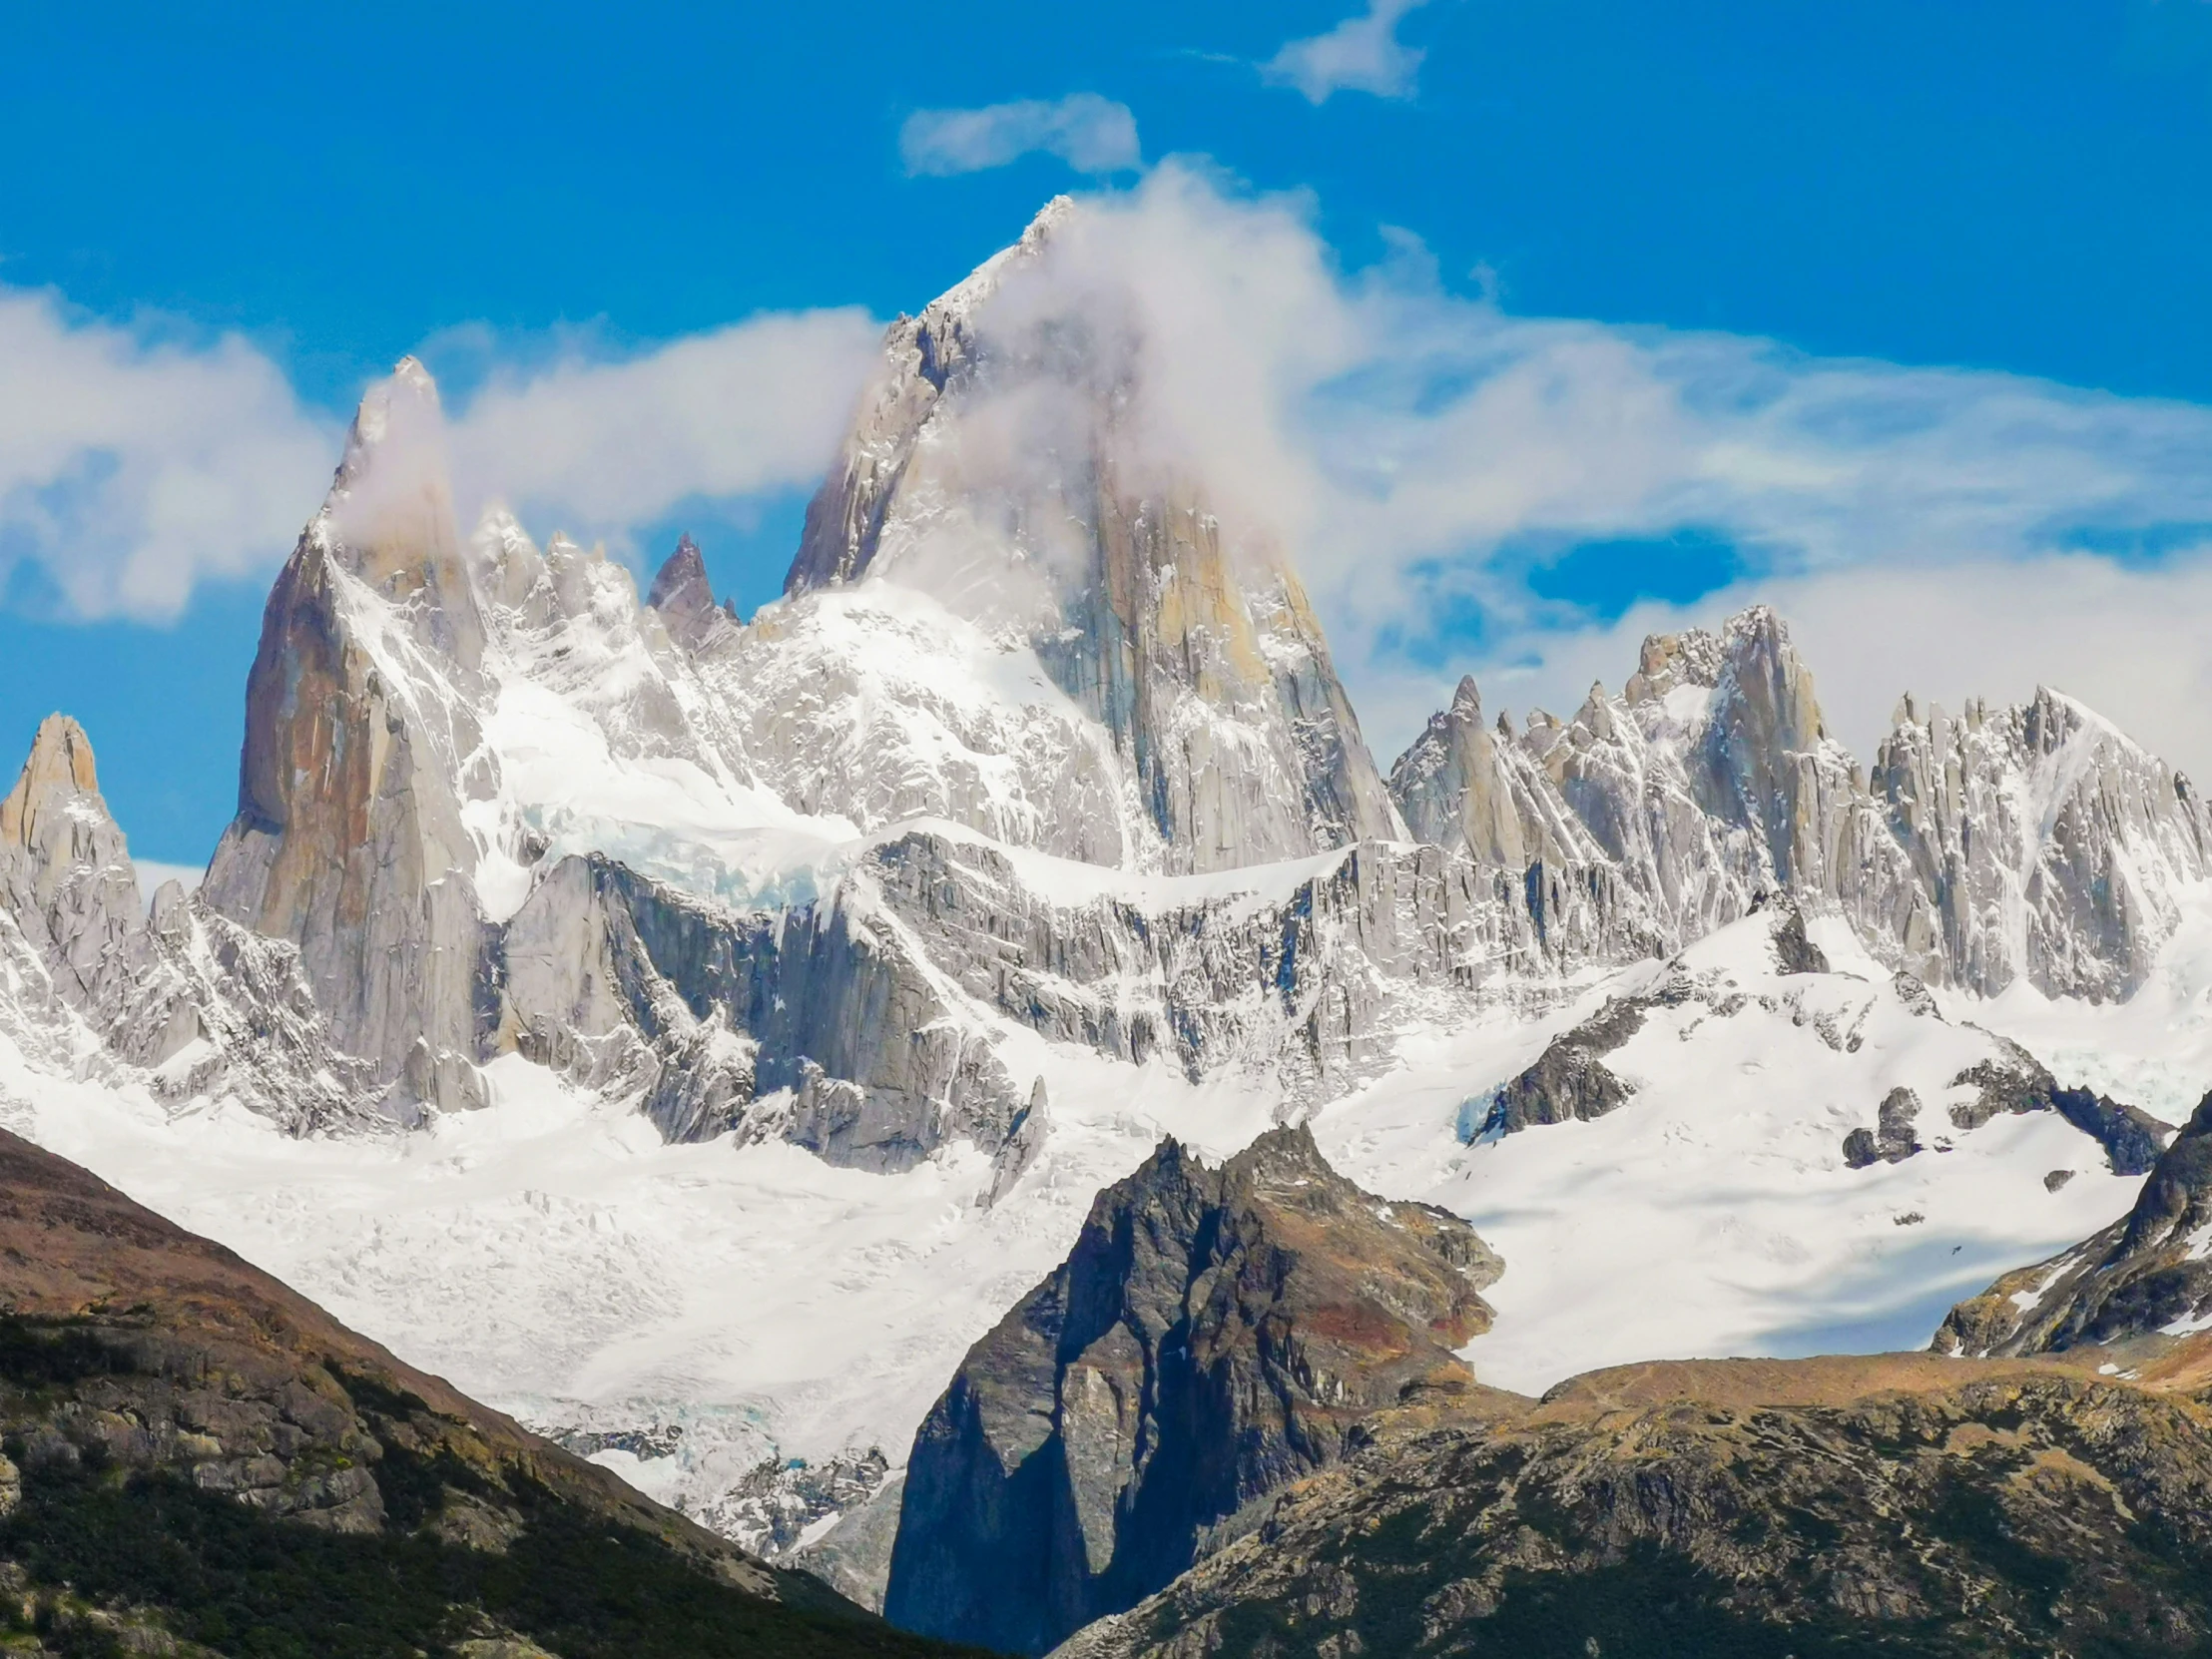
1179,632
700,1011
683,597
1829,1506
2048,845
65,873
192,1004
203,1439
1215,1334
2033,843
1461,784
2144,1277
362,748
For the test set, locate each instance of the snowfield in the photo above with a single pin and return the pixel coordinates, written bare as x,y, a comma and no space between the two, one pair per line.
554,1257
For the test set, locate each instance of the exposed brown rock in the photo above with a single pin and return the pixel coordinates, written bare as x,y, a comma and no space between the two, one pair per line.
1214,1335
349,841
1884,1504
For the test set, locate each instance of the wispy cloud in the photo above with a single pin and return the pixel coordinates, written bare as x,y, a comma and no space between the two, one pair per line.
1091,133
134,466
597,445
1422,453
1360,54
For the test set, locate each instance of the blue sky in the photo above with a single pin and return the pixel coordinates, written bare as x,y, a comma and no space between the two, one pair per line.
1769,217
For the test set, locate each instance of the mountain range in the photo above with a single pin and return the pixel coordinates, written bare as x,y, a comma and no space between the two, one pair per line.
978,1062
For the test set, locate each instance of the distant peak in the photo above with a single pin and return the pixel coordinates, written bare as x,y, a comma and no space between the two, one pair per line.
1756,619
409,372
1690,657
1466,699
681,584
407,390
682,593
60,764
1290,1150
1050,217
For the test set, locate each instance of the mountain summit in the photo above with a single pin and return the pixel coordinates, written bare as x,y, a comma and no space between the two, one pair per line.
1002,461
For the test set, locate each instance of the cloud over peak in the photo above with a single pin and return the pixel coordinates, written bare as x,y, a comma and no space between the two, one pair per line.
1360,54
134,467
1091,133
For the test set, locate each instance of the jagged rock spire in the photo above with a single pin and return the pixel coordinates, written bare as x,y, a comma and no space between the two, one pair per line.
60,766
1463,784
388,519
683,595
1004,463
65,872
349,839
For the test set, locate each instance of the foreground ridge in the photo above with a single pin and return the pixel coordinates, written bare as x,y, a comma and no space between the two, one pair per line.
1892,1504
193,1454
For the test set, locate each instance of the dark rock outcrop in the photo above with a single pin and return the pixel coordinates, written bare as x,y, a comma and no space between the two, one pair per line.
1892,1140
1793,952
2144,1274
1214,1335
1569,1081
2017,1081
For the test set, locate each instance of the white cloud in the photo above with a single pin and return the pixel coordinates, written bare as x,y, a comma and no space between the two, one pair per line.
595,446
1360,54
133,466
1420,452
1091,133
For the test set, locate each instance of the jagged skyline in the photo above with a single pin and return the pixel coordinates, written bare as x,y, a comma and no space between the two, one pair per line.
1514,410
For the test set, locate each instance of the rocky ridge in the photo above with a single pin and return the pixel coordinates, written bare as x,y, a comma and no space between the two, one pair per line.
1067,654
1825,1507
2142,1283
168,994
2035,843
1591,1068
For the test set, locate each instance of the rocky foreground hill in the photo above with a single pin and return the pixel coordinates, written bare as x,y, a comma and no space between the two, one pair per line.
1234,1422
195,1459
1215,1334
1895,1504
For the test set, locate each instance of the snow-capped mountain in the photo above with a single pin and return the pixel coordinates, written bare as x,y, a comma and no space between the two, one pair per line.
694,1033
